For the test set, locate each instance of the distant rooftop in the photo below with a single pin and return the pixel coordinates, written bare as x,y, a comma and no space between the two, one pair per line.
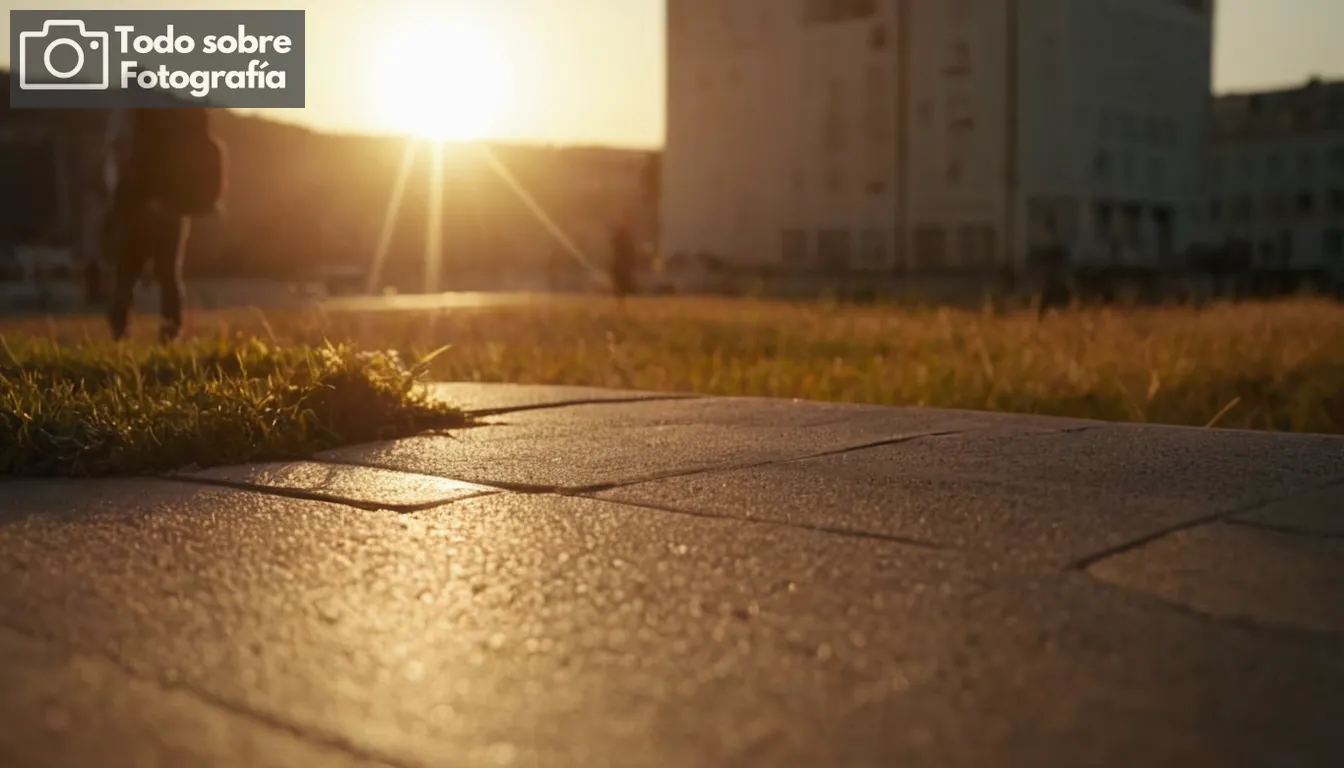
1315,107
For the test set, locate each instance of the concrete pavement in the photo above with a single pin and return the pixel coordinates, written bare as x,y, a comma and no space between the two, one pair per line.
599,578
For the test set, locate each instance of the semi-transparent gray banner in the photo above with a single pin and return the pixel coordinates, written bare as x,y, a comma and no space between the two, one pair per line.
98,59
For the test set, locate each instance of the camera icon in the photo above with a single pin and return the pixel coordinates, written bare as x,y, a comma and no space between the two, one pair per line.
39,70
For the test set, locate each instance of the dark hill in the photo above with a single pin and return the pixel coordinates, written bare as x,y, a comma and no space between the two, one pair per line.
300,199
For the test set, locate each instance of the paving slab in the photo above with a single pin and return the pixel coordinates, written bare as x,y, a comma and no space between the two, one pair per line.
1320,513
540,630
1238,572
1056,496
73,710
479,397
594,445
358,486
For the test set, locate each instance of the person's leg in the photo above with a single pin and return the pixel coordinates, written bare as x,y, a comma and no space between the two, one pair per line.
124,244
170,240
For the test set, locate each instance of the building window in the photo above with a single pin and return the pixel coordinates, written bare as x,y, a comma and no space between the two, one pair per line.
1131,227
1154,131
1267,251
874,249
961,117
833,249
1103,221
1101,165
834,181
977,245
930,247
959,62
878,38
1128,126
877,105
1334,243
833,125
1306,164
819,11
1275,206
1305,203
793,247
834,11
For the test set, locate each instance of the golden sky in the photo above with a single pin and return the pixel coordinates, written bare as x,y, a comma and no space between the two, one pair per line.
591,71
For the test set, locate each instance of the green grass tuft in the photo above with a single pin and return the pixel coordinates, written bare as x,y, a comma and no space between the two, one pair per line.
101,409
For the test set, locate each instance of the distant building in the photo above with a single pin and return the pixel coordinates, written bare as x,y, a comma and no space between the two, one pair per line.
33,205
930,135
48,160
40,277
1276,177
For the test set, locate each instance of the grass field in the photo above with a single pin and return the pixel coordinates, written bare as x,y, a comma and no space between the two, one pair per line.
1276,366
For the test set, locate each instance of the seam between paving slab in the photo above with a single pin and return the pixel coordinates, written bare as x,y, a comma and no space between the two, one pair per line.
1245,622
1288,530
302,733
1242,622
532,488
505,410
588,491
1084,563
673,474
810,528
300,494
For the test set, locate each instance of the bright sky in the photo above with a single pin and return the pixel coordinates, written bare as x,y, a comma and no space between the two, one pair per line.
591,71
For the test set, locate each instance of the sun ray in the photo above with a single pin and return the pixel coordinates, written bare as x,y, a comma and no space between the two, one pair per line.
390,215
434,222
537,210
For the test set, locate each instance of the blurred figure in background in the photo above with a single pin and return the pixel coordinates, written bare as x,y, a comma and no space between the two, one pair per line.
163,166
623,259
91,237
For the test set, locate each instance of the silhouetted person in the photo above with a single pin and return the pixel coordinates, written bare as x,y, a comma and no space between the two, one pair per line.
164,167
622,262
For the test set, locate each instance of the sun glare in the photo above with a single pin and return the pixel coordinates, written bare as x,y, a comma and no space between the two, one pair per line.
442,82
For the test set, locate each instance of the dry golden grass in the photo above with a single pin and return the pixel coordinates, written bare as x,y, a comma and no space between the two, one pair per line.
1277,366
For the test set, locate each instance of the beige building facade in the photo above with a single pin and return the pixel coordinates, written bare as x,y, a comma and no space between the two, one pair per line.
934,135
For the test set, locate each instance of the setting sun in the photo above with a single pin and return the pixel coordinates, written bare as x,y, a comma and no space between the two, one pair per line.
443,82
